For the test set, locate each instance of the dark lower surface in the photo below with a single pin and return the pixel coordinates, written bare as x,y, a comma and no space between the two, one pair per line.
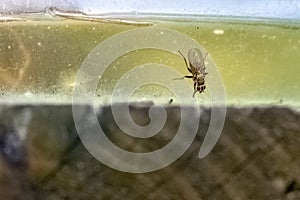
256,157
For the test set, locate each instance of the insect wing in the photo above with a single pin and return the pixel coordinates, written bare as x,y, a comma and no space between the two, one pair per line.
196,59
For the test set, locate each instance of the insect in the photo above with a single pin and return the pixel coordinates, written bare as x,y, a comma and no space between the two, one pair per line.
197,68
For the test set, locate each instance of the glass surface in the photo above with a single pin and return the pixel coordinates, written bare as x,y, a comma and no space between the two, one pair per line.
42,48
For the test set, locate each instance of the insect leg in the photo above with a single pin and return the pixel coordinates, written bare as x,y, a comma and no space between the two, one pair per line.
185,61
182,77
194,89
194,93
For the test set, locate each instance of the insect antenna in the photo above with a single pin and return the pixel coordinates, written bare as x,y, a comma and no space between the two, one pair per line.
185,61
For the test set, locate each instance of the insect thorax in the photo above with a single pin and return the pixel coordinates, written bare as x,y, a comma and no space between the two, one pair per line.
199,78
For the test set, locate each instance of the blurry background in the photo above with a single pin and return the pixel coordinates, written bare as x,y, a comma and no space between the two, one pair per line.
255,8
257,156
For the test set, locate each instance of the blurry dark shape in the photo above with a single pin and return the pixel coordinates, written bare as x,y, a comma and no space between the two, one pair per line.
14,156
259,146
292,186
170,101
280,101
12,148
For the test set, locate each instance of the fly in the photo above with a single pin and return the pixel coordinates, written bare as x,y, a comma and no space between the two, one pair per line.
197,68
